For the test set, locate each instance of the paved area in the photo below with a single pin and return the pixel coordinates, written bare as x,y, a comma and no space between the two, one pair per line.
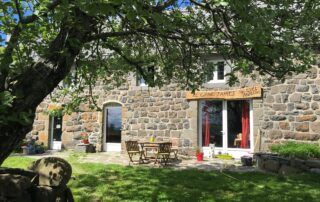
182,163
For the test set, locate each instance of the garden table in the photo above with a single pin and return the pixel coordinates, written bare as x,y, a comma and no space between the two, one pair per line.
147,145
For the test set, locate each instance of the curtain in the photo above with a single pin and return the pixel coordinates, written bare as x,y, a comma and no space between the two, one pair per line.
206,125
245,125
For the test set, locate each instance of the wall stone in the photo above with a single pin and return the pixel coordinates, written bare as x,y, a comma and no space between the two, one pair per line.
287,111
295,116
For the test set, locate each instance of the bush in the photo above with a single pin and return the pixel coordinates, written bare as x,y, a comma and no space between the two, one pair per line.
297,150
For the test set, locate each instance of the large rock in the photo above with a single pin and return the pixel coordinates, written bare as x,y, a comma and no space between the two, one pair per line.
52,171
288,170
272,165
313,163
315,170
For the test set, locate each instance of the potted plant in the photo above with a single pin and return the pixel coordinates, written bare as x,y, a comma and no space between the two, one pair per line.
84,138
199,154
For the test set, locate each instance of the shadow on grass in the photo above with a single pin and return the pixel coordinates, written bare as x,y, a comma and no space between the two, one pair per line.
118,183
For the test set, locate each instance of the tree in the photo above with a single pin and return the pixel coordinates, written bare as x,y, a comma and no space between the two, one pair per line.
108,39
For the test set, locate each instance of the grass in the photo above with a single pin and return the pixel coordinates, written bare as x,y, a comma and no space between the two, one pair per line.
98,182
297,150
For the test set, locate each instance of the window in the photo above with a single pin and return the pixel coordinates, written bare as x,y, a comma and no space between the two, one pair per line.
141,81
149,73
218,73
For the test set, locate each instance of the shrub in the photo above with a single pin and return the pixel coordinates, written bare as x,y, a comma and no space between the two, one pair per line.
297,150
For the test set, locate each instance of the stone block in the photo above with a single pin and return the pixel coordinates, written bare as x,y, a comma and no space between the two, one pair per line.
278,98
313,163
284,98
151,126
162,126
315,127
176,107
303,136
315,170
302,88
284,125
278,118
307,112
269,99
306,118
314,106
175,120
154,109
275,134
165,120
152,115
302,127
288,135
165,108
316,97
186,125
314,89
175,133
306,97
312,72
279,107
185,105
272,165
302,106
267,125
295,97
172,114
172,126
182,114
288,170
274,90
39,127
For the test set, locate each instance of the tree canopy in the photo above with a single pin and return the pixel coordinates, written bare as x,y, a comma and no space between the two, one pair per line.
162,40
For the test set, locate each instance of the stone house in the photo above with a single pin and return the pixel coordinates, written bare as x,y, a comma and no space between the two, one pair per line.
239,120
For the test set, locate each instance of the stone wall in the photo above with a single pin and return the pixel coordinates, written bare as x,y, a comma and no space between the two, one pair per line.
287,111
291,110
162,112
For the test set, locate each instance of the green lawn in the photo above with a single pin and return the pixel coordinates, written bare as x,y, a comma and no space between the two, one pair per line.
98,182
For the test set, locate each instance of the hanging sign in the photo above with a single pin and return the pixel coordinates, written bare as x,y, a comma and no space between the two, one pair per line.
242,93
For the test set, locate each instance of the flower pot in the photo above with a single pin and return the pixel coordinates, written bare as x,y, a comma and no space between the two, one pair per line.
25,150
246,161
85,141
199,156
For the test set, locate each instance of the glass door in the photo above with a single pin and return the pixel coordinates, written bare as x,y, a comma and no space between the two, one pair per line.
226,124
56,132
113,116
238,124
211,123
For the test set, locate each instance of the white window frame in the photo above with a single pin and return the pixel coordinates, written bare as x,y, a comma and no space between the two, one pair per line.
235,152
140,83
215,72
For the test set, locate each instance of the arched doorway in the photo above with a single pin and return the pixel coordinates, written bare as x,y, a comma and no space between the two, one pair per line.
112,126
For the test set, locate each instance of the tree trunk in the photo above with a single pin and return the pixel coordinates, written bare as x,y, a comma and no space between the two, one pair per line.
10,136
40,79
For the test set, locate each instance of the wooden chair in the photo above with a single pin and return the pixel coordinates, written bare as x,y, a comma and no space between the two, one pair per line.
163,153
133,148
174,151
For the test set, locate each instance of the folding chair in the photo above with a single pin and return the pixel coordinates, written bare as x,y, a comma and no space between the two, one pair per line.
132,149
174,151
163,153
